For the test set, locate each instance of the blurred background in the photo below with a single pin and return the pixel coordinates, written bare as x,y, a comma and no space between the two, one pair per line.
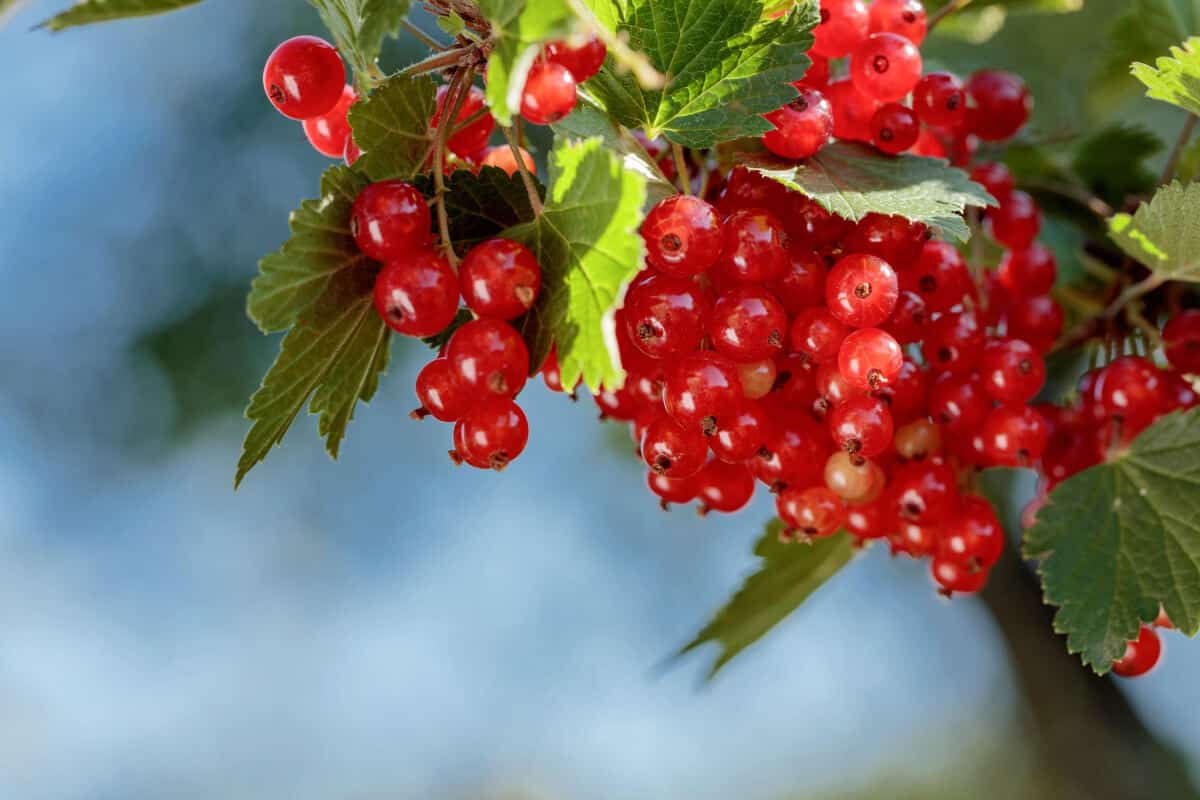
393,627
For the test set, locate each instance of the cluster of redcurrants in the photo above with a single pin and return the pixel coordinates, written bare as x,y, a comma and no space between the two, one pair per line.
305,80
883,66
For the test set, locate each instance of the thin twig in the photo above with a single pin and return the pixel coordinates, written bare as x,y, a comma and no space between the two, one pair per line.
535,202
423,36
435,62
1172,164
455,94
459,127
945,11
681,167
1078,194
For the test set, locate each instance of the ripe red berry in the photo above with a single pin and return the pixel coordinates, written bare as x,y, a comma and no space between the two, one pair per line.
1141,654
939,99
903,17
683,236
953,577
911,539
753,247
924,492
665,316
794,453
671,450
817,74
870,359
803,283
844,24
747,323
1132,390
1029,271
389,220
894,128
441,392
495,431
953,342
893,239
702,391
1181,341
861,425
489,356
672,490
499,279
304,77
417,296
907,323
329,132
583,60
1012,371
832,389
871,520
861,290
813,513
724,487
549,94
940,277
995,177
886,66
795,381
742,434
1014,436
905,394
852,110
802,127
998,103
621,404
973,537
1016,222
474,137
818,334
958,402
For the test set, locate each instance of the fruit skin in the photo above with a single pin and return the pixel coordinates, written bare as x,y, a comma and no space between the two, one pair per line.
1141,655
955,578
461,452
1012,371
852,110
441,392
501,156
861,290
672,490
1016,222
683,236
903,17
328,133
495,431
802,127
1181,341
1037,320
474,137
886,66
489,356
1015,436
803,282
417,296
583,61
862,426
999,104
753,247
665,316
1029,271
389,220
953,342
499,279
870,359
844,24
958,402
304,77
671,450
747,323
939,99
742,434
939,277
894,128
702,391
973,537
814,513
724,487
818,334
924,492
550,93
995,177
1132,390
794,453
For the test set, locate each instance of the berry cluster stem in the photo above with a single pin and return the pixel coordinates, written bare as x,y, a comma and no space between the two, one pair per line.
945,11
425,38
685,179
535,202
459,86
447,58
1189,127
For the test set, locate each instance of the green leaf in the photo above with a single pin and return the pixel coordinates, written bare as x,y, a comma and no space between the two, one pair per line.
452,23
391,127
359,28
291,279
853,180
89,11
1164,234
334,354
587,121
480,206
1117,540
789,574
1144,31
724,66
1174,79
1127,145
519,28
587,243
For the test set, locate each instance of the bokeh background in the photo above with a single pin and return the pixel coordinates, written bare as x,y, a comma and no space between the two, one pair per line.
393,627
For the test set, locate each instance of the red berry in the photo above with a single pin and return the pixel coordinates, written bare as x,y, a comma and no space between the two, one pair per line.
795,381
803,283
928,145
894,128
995,177
742,434
441,392
973,537
802,127
549,94
304,77
1181,341
999,104
489,356
621,404
954,577
672,490
389,220
925,492
905,394
551,375
817,74
501,156
939,99
911,539
1037,320
872,520
903,17
886,66
703,390
852,110
861,290
1014,436
665,316
794,454
724,487
1067,453
1029,271
474,137
1141,654
1012,371
1180,394
583,61
953,342
461,453
417,296
940,277
809,226
753,247
818,334
683,236
329,132
673,451
1132,389
833,389
495,431
815,512
499,279
1016,222
844,24
352,151
747,323
907,323
870,359
959,402
862,426
893,239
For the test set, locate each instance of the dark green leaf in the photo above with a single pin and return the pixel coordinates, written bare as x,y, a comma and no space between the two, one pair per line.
789,574
1117,540
89,11
1164,234
438,340
1112,162
391,127
334,354
519,28
724,66
359,28
480,206
587,243
292,278
853,180
1174,79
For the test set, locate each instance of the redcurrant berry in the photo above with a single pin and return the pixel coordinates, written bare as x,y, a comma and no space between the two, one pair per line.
905,394
893,239
813,513
702,391
995,177
940,277
672,490
683,236
329,132
474,137
903,17
389,220
802,127
894,128
924,492
852,110
939,99
417,296
803,283
673,451
973,537
1029,271
747,323
953,342
1016,222
911,539
795,381
844,24
1014,436
954,578
1012,371
861,290
1141,654
870,359
794,454
1132,389
742,434
304,77
665,316
441,392
907,323
862,426
818,334
499,279
724,487
582,60
495,431
550,93
753,247
871,520
958,401
1181,341
501,156
886,66
999,104
854,479
489,356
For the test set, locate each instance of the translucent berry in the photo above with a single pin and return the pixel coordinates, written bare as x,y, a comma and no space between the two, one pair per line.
1181,341
894,128
1132,390
389,220
852,110
803,282
329,132
672,490
973,537
995,177
998,104
802,127
1029,271
870,359
903,17
907,323
304,77
893,239
1012,371
495,431
753,247
832,389
702,391
620,404
499,279
940,277
417,296
441,392
550,93
724,487
905,393
862,426
489,356
911,539
1037,320
747,323
953,342
795,381
673,451
872,520
844,24
474,137
683,236
665,316
582,60
818,334
813,513
855,480
742,434
861,290
1014,436
1141,655
758,377
886,66
959,402
1016,222
917,440
939,100
794,454
924,492
954,578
